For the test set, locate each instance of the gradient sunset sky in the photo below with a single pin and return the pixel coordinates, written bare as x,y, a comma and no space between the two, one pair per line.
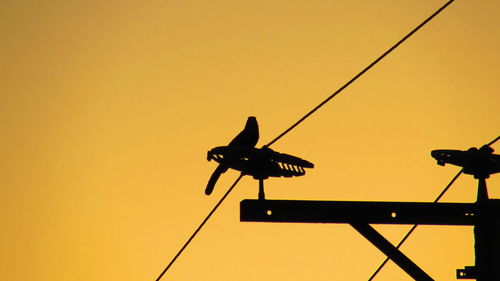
107,110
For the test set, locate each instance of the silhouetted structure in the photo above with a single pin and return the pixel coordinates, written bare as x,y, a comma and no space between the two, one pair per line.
481,163
261,163
483,215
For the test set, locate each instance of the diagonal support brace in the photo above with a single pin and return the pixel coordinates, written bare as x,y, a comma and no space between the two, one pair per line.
392,252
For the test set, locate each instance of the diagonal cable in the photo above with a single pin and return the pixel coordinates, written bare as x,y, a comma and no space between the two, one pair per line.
300,121
493,141
199,227
360,73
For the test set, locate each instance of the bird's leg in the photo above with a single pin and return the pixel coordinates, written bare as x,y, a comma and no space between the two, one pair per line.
262,196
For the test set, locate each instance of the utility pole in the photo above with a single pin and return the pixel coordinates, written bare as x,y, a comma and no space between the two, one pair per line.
484,215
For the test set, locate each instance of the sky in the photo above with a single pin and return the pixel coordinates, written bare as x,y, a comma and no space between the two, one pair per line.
107,110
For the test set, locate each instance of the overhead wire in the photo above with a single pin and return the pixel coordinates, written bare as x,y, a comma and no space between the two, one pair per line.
415,225
493,141
199,227
360,73
300,121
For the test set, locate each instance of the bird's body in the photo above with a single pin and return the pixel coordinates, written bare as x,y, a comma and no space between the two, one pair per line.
249,136
246,138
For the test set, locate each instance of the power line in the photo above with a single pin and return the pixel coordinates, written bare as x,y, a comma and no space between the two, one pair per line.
493,141
199,227
415,225
360,73
297,123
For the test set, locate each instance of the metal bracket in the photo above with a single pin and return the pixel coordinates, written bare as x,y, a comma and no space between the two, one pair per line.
469,272
392,252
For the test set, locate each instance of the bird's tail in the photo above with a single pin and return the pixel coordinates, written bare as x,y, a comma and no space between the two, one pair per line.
213,179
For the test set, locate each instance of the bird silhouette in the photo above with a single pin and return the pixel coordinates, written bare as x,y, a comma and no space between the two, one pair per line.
246,138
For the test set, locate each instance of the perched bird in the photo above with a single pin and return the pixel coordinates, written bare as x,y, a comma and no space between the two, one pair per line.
246,138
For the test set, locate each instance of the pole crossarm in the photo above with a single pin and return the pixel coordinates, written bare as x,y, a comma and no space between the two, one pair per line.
302,211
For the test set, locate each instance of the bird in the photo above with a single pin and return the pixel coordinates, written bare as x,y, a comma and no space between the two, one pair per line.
246,138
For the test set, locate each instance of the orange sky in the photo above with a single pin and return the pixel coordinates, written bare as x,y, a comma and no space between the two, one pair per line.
107,109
